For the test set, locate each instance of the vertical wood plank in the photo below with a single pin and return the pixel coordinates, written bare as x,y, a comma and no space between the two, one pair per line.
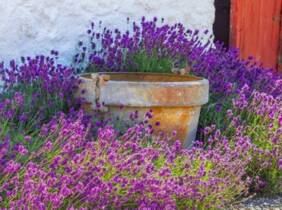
255,29
280,45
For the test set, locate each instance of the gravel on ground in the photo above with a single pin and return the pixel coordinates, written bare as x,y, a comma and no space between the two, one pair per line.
259,203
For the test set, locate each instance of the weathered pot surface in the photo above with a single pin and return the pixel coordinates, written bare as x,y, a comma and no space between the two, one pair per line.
175,100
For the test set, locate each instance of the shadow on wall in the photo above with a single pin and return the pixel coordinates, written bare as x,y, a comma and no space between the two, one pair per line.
221,26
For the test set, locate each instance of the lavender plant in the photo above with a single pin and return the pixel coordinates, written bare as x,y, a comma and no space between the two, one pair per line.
253,95
260,118
71,171
145,47
34,91
227,74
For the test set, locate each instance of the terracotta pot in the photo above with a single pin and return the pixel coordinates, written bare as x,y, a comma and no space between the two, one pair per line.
175,100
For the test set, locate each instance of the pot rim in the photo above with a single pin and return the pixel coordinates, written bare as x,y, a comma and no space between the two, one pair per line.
160,78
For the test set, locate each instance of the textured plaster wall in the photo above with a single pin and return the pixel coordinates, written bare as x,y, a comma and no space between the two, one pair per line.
30,27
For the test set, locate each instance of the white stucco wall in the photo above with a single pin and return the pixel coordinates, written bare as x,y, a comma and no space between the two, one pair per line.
29,27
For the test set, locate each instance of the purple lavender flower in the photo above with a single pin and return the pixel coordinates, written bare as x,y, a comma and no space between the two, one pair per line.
280,164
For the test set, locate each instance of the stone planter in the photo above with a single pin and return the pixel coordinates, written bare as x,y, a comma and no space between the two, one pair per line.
175,100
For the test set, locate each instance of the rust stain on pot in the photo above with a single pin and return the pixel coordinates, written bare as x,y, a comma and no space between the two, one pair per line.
171,116
174,99
88,107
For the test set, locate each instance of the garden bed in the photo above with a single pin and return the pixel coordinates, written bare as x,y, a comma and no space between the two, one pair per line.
55,156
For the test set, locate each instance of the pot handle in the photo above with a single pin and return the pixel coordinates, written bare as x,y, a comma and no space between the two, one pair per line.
100,81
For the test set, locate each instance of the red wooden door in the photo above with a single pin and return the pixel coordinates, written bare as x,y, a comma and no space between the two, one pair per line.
280,46
255,29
